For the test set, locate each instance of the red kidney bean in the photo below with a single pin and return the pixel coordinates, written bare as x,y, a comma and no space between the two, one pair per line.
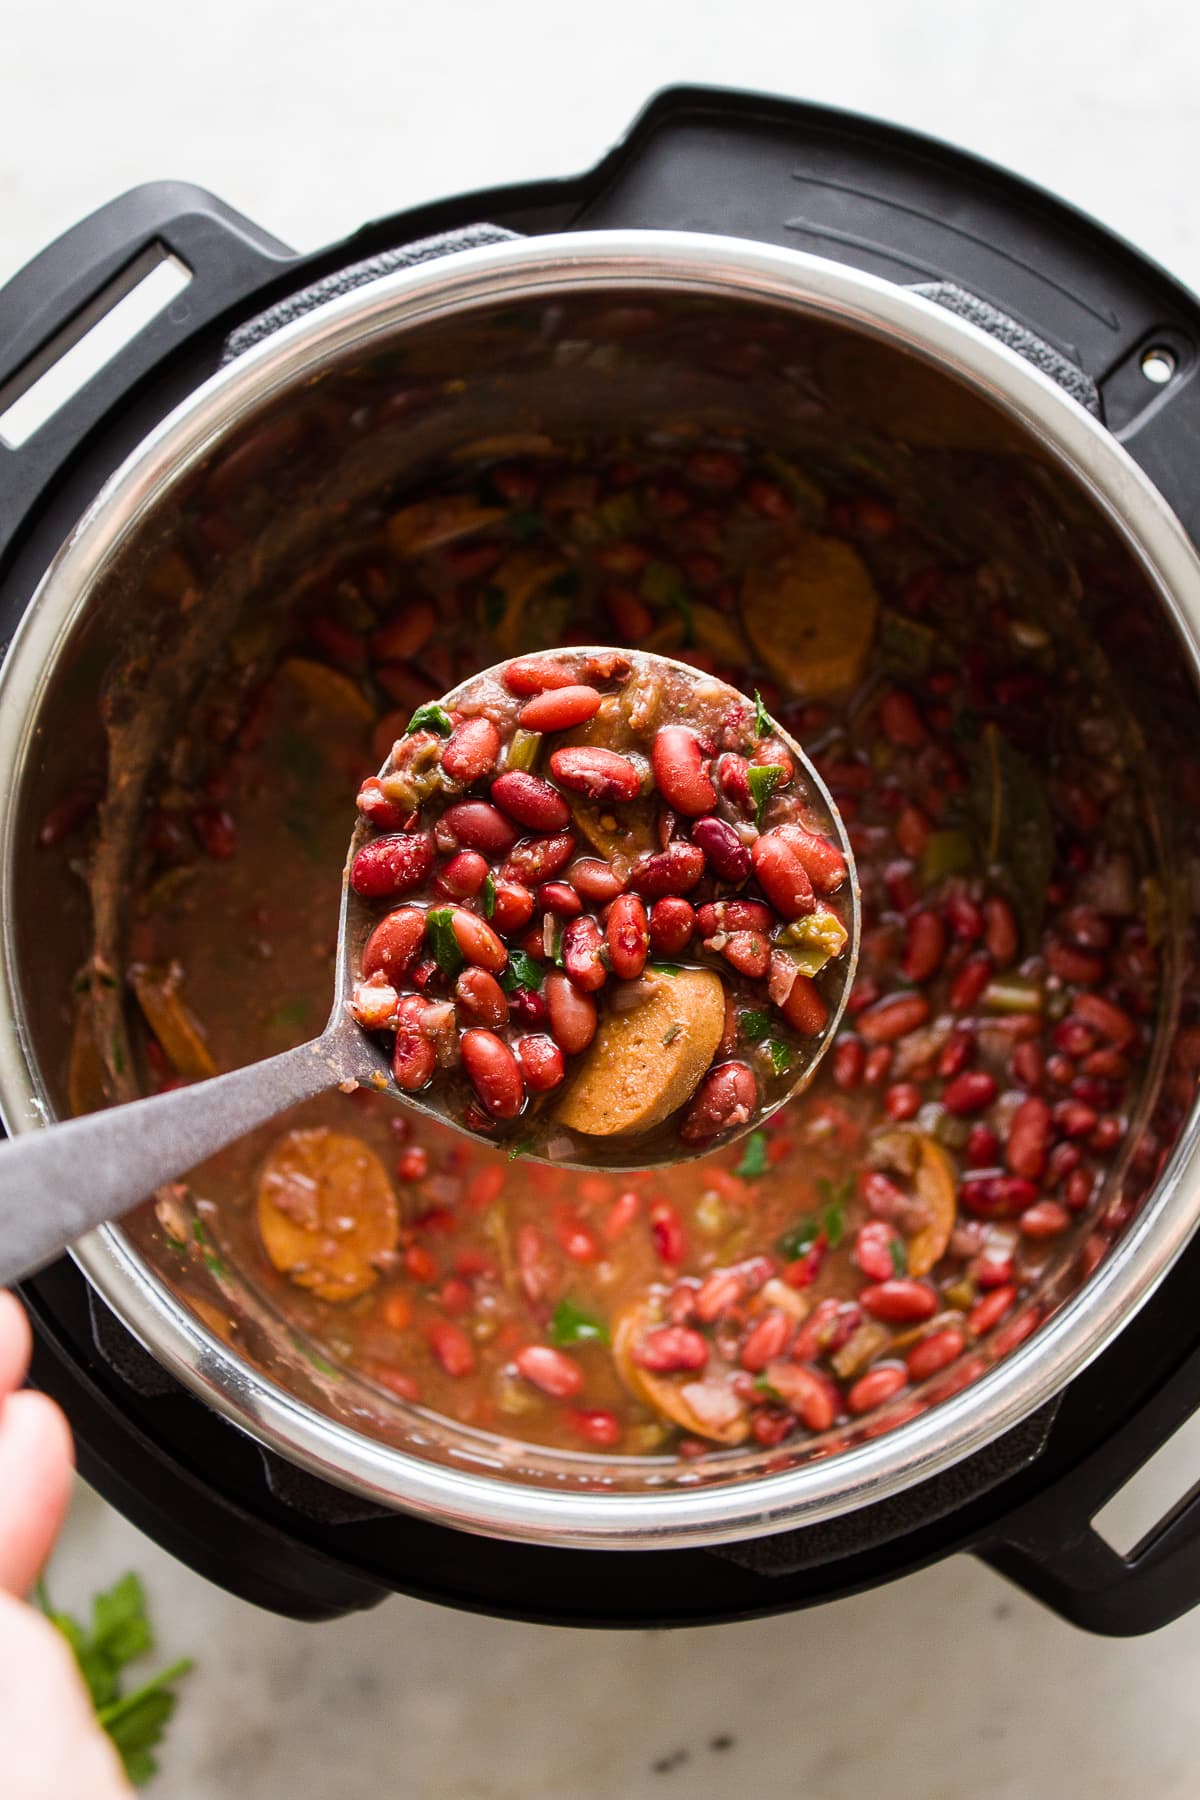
956,1053
877,1065
893,1017
1044,1219
596,1427
480,996
1029,1139
935,1352
912,831
969,983
528,1008
876,1386
672,925
1074,1119
572,1014
541,1063
1060,1070
900,1298
595,880
394,945
628,936
493,1072
1028,1065
391,865
1078,1190
900,721
631,617
531,801
477,941
822,862
1073,1038
667,1233
766,1340
734,781
1109,1065
983,1148
535,675
406,634
900,881
512,906
478,826
848,1058
452,1347
539,859
377,809
782,876
997,1196
670,1349
1000,934
1088,928
805,1392
414,1057
559,898
217,833
718,1294
872,1249
1073,965
1104,1017
471,750
925,947
724,851
963,917
733,915
679,768
749,953
990,1309
551,1370
596,773
969,1092
804,1009
463,876
582,946
725,1098
675,870
559,709
1107,1136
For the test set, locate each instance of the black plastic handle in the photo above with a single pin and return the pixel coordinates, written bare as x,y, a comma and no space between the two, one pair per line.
230,260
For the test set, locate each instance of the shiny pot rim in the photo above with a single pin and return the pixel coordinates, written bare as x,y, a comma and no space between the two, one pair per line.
721,267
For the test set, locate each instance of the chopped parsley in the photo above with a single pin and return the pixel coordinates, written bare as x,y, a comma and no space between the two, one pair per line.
899,1255
439,930
833,1219
570,1324
754,1157
755,1026
489,895
522,972
762,722
431,717
763,779
781,1056
665,968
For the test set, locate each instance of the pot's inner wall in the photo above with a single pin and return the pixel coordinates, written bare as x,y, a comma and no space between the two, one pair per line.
211,577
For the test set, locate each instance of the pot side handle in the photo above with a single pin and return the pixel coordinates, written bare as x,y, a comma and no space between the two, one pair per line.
78,280
1052,1548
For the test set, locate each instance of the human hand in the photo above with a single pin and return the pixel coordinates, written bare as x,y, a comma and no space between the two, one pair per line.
53,1749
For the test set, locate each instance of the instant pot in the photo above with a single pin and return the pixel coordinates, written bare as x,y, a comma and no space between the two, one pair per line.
901,252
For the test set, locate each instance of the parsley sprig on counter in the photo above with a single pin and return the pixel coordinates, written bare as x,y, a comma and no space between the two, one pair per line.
120,1633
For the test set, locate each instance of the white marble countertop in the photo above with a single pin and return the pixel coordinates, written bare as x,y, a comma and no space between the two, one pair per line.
948,1683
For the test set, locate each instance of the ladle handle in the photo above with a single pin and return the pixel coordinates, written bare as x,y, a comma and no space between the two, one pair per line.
58,1183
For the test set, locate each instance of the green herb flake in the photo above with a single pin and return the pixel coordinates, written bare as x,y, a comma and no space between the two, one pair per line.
430,717
439,931
119,1634
489,895
522,972
763,778
570,1324
799,1238
754,1157
671,1034
520,1146
762,721
666,968
781,1056
898,1252
833,1219
755,1026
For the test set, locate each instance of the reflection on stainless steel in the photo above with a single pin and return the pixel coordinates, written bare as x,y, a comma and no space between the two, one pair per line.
880,347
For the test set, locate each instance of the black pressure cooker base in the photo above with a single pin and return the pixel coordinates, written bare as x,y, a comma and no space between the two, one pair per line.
899,206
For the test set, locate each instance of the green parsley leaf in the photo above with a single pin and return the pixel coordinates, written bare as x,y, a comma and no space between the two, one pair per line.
439,931
755,1026
898,1251
522,972
754,1157
489,894
799,1239
571,1325
781,1056
521,1145
833,1220
119,1633
763,779
762,721
430,717
665,968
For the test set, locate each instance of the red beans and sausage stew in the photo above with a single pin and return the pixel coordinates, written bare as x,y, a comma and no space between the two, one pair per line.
876,1240
513,964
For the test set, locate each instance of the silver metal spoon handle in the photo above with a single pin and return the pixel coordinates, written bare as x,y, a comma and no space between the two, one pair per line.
58,1183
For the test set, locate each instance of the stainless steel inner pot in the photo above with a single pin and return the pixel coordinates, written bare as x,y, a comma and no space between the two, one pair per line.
386,382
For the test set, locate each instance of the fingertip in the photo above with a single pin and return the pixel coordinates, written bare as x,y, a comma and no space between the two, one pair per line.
16,1343
37,1461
